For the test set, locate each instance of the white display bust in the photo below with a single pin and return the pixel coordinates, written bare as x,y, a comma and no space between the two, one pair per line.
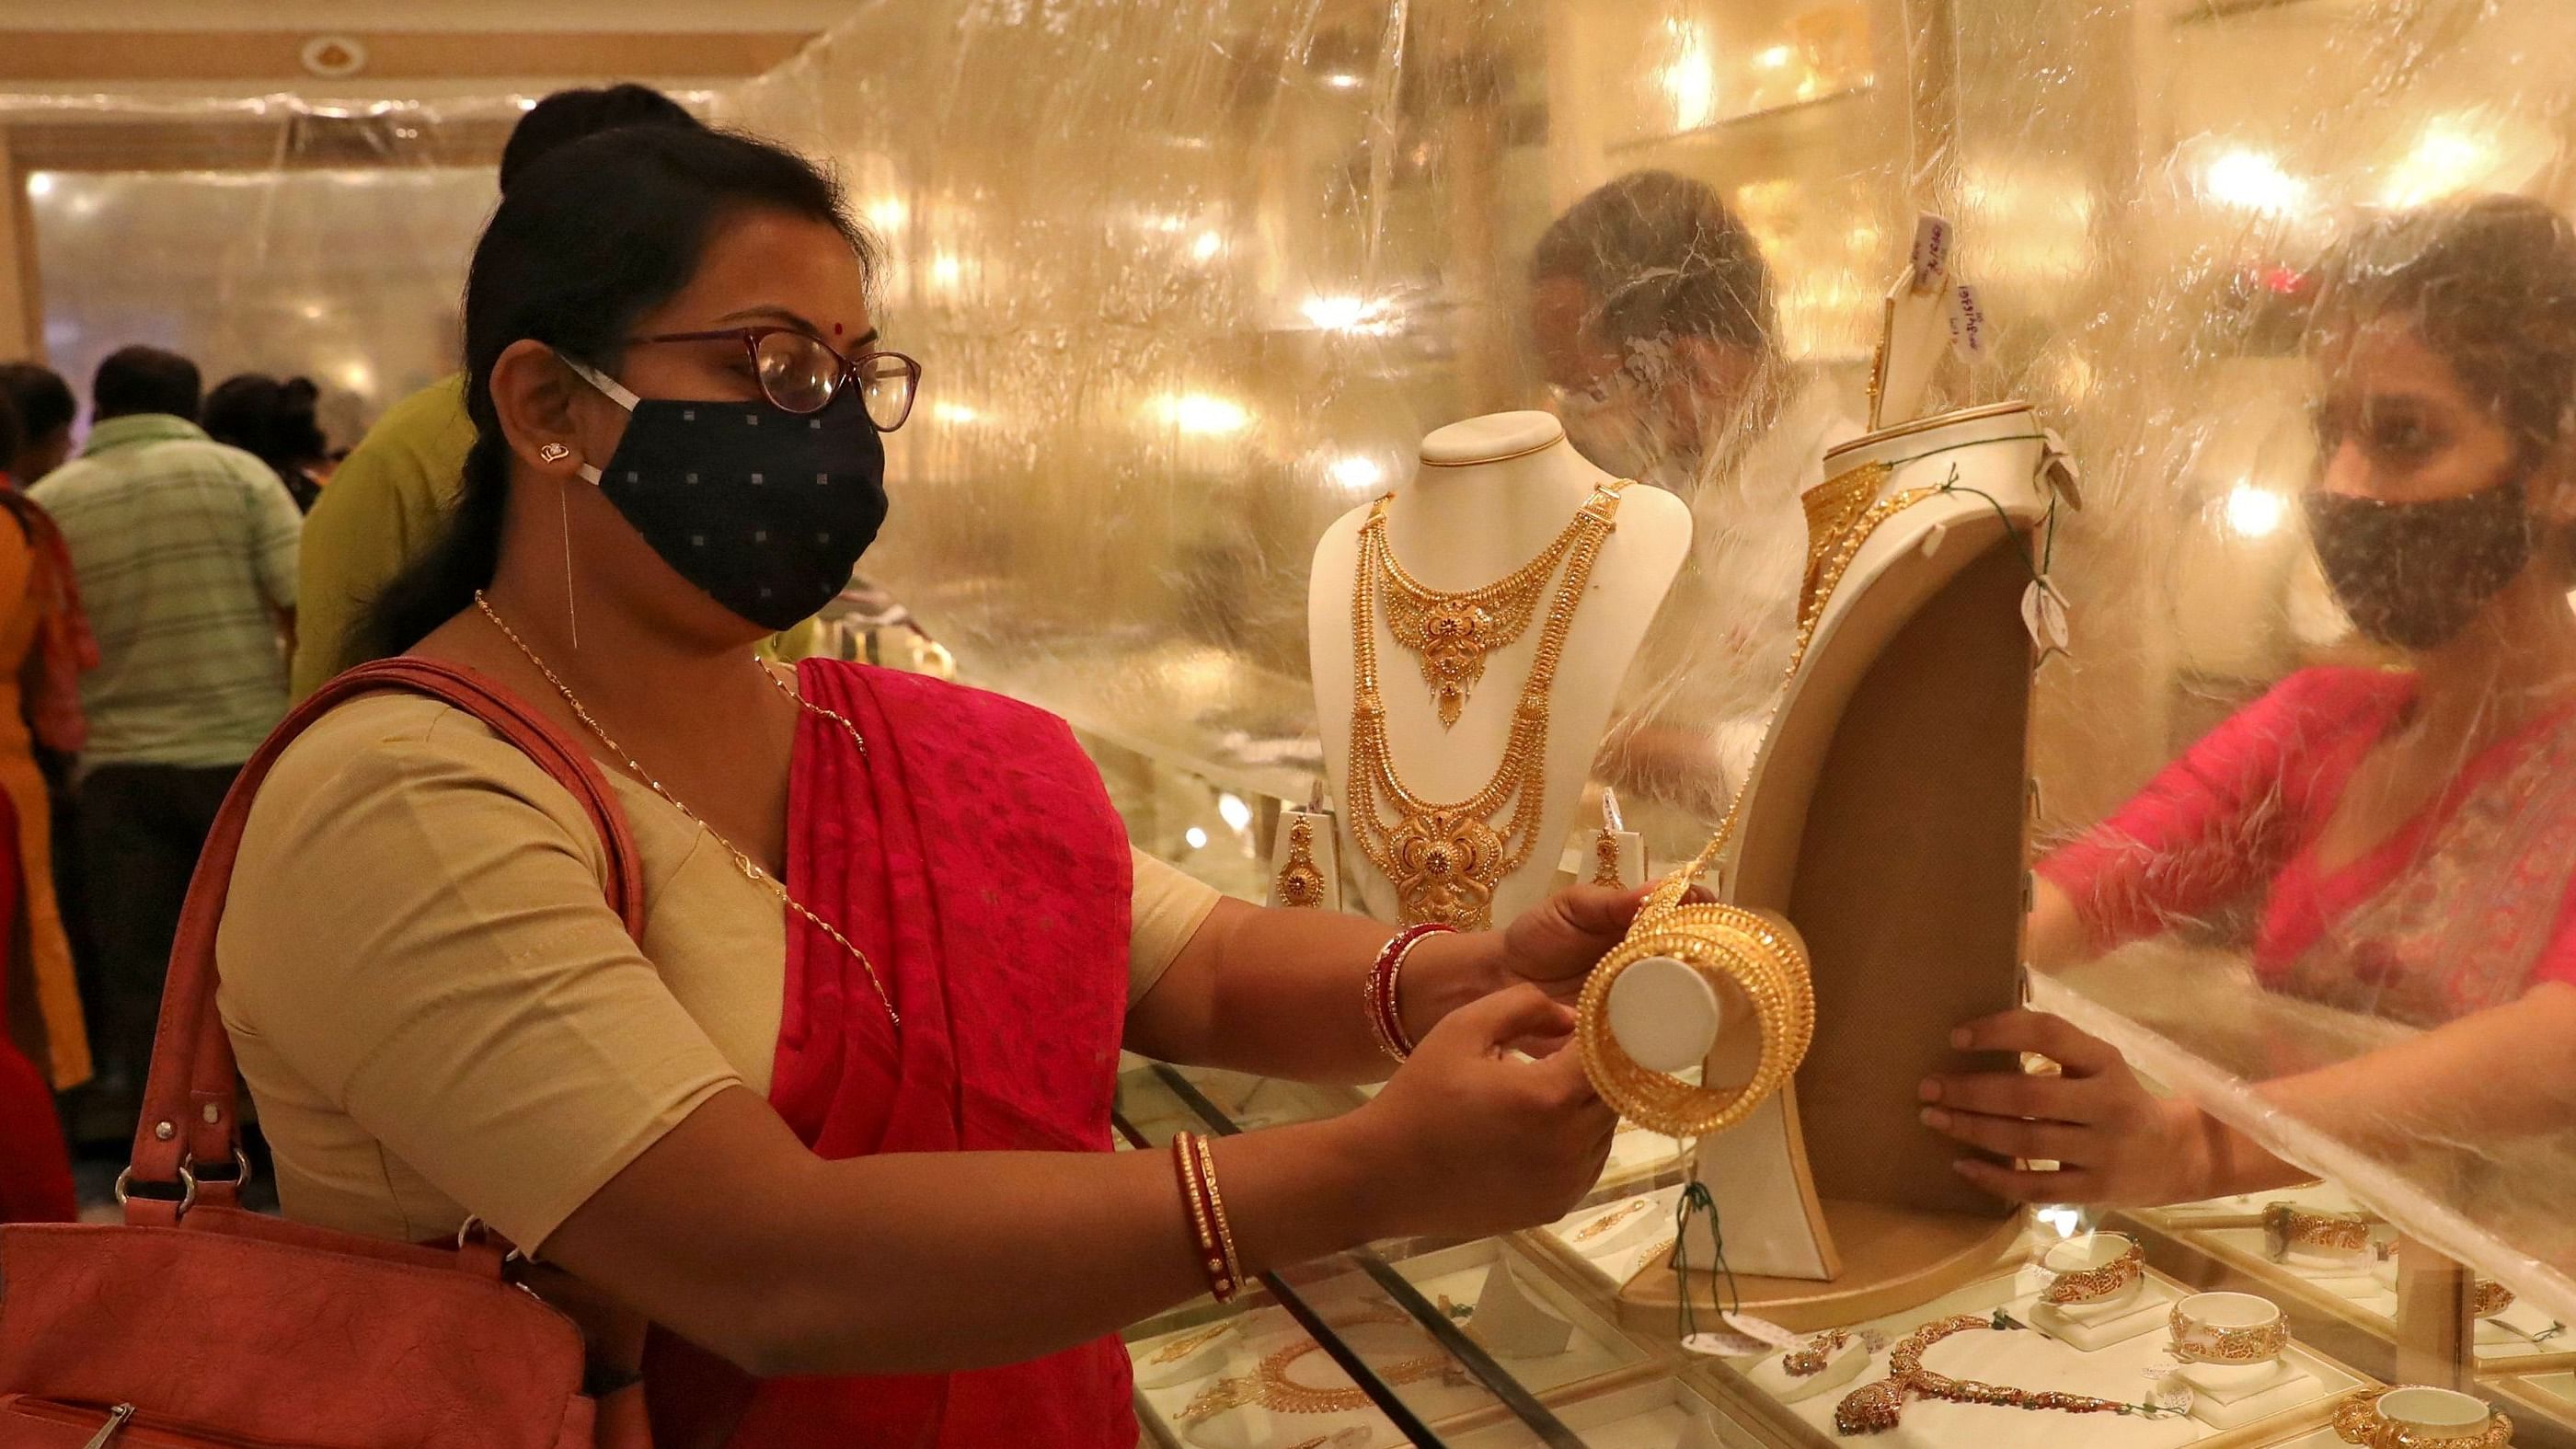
1492,493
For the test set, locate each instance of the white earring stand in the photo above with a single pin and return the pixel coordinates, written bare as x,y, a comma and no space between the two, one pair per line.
1491,494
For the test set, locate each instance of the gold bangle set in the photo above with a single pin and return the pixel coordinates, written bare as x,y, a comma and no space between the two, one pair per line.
2198,1342
1194,1163
2093,1285
2286,1226
1757,954
2357,1420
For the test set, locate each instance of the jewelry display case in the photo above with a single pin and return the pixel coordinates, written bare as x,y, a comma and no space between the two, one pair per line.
1206,285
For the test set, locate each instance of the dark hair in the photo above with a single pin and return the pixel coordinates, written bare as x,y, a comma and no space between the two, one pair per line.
2489,284
568,116
268,418
42,399
142,379
1665,256
12,438
610,227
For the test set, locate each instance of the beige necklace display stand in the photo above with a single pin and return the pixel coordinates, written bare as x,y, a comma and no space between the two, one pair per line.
1885,820
1491,494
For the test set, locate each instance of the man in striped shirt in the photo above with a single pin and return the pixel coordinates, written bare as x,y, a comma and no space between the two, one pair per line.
185,554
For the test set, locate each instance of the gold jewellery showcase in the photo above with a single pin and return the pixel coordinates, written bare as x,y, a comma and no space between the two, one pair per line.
1758,954
1452,632
1445,859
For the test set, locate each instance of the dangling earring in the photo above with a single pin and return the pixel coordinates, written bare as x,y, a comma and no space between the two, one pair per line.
563,515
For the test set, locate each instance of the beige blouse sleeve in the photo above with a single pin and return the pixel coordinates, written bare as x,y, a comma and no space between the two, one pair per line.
417,932
1168,908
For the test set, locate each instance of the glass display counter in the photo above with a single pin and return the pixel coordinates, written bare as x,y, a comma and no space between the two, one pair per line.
1519,1339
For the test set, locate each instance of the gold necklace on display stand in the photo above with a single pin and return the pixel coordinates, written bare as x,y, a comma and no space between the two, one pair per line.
1748,950
1452,631
742,860
1446,858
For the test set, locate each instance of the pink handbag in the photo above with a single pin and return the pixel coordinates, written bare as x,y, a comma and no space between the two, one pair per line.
196,1323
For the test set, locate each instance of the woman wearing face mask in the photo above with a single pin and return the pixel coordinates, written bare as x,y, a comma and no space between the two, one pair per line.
842,1110
2409,835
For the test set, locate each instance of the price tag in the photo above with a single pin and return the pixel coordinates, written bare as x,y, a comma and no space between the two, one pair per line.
1931,255
2043,612
1967,323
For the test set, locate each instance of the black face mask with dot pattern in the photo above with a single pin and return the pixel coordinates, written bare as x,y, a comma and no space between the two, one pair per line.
766,510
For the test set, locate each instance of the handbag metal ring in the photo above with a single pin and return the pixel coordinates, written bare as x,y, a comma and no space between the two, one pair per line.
187,1187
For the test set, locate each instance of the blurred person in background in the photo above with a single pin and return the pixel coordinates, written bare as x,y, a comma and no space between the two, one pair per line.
1656,324
45,410
2407,834
390,498
272,420
184,553
43,1042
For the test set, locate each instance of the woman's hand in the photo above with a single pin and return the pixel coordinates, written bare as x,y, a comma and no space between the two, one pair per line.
1552,945
2114,1142
1470,1139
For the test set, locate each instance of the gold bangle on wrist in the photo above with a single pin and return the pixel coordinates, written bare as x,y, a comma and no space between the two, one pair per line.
1216,1210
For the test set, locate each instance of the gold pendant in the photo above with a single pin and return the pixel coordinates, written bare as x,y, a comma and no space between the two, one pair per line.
1605,857
1452,631
1301,881
1444,869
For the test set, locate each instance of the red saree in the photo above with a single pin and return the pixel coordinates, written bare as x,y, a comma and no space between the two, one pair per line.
974,856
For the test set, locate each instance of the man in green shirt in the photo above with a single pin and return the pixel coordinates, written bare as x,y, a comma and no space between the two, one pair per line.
389,499
185,554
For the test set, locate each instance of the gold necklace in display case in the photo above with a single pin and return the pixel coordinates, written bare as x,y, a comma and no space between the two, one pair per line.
1446,858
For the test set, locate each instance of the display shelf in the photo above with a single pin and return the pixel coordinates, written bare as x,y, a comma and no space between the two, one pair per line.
2035,1357
2516,1341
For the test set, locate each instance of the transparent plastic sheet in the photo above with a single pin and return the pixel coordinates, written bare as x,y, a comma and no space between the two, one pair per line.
1192,279
275,234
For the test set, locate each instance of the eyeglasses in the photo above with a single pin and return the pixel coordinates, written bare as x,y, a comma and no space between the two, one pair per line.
801,373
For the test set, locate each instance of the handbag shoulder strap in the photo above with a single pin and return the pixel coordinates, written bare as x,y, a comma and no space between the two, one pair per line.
190,1112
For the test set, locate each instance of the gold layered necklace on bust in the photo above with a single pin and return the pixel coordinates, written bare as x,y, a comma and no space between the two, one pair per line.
1452,632
1446,858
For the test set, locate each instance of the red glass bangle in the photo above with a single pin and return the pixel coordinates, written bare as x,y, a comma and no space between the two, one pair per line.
1385,1013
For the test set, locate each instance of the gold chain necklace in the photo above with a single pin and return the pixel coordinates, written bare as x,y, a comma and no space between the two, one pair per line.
1453,631
1270,1386
742,860
1446,858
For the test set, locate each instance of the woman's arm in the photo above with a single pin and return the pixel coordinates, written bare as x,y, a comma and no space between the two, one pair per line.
1278,992
2489,1076
731,1233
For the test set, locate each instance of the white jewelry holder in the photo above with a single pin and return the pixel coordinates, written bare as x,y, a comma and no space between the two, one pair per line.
1491,493
1842,1366
1511,1324
1838,1204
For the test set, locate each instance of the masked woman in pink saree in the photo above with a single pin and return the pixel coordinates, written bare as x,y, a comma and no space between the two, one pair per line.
2401,836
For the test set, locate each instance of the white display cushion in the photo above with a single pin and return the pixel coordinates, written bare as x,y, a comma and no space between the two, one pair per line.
1843,1366
2096,1326
2298,1388
2229,1383
1511,1324
1664,1014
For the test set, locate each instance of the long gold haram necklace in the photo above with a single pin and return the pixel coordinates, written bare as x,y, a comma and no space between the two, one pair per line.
742,860
1453,631
1769,967
1875,1408
1446,858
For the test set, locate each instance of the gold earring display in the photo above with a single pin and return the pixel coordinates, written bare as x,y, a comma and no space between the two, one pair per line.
1446,858
1605,844
1451,632
1301,881
1760,957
